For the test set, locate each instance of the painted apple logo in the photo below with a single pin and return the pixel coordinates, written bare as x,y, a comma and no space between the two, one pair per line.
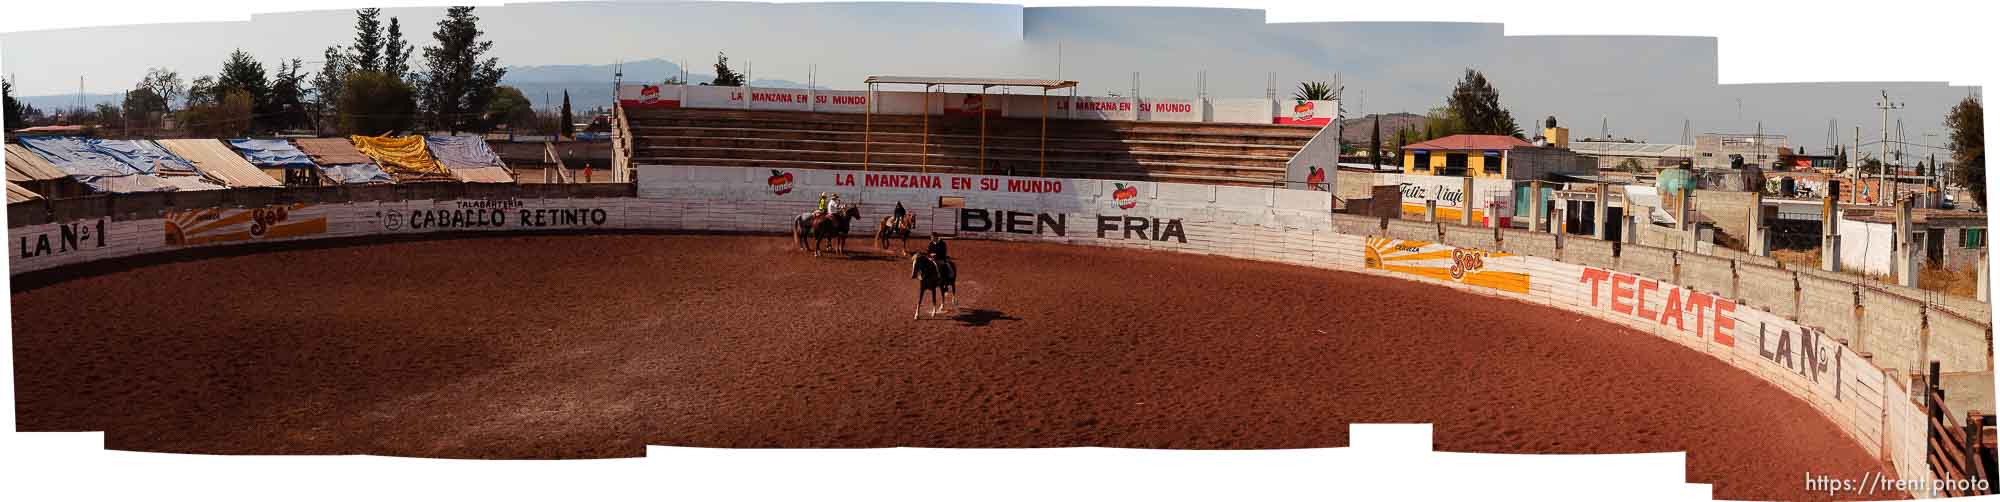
781,182
1302,111
1126,197
1316,179
649,93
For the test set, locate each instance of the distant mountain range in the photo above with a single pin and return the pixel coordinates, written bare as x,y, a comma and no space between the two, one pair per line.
589,86
1355,131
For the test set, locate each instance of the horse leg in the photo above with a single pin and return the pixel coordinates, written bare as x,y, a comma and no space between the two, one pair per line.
917,312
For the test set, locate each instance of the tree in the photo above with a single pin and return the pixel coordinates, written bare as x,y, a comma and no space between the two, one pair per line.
327,84
108,114
723,75
1314,91
140,103
1839,157
286,106
1441,122
17,112
223,114
202,92
1375,143
396,53
164,84
568,121
511,108
458,80
244,73
366,53
373,104
1968,146
1475,106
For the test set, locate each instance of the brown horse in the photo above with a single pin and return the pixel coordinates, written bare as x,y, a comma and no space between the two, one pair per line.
892,226
815,231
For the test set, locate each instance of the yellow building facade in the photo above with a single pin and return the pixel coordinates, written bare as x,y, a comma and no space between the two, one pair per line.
1475,155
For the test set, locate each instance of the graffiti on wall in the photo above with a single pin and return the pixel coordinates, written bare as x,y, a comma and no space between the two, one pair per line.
63,238
1687,311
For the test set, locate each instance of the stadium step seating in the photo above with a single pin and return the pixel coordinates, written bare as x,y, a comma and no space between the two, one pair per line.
1234,154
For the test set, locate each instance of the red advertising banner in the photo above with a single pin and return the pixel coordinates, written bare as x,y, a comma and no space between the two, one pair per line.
1308,113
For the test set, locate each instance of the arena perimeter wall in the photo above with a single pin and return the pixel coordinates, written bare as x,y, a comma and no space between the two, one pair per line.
1870,405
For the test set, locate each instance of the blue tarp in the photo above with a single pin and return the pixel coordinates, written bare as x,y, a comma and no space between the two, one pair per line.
462,152
144,155
78,156
271,153
356,174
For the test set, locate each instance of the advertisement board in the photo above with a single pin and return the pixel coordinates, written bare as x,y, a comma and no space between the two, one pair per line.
1306,113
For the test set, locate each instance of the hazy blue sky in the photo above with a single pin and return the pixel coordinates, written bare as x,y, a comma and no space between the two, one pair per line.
1646,86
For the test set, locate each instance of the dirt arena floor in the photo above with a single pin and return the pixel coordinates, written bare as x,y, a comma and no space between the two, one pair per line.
594,346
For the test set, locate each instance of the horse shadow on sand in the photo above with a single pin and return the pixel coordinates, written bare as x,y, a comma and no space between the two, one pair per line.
981,317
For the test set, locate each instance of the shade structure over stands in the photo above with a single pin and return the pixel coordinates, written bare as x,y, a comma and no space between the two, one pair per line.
26,166
190,183
983,83
269,153
365,173
15,193
130,183
332,151
77,157
220,162
469,158
146,156
342,163
405,157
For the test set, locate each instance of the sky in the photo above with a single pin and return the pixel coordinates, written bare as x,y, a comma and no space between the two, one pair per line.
1643,87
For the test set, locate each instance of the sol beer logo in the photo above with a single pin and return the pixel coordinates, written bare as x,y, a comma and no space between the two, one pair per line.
1466,261
262,219
781,182
1125,197
1316,178
1303,111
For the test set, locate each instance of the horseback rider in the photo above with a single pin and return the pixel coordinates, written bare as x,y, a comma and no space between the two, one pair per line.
899,213
833,205
821,209
937,250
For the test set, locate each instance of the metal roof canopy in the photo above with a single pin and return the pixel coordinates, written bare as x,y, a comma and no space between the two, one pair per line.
1045,84
924,153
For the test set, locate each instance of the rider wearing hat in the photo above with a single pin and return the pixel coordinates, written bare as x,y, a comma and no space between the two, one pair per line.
937,249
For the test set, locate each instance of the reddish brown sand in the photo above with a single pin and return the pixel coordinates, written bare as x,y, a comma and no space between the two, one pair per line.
593,346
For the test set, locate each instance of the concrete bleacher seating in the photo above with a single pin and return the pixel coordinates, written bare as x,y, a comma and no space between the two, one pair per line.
1234,154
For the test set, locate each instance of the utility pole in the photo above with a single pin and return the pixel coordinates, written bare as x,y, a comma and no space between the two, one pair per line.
1885,105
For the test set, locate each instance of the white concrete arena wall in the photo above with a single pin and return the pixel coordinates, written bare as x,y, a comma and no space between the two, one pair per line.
1277,225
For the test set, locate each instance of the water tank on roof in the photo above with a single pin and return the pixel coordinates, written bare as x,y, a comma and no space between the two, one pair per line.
1673,180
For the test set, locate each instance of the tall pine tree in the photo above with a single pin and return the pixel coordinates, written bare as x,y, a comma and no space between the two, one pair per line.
458,80
1475,106
366,53
1968,146
568,121
723,75
396,53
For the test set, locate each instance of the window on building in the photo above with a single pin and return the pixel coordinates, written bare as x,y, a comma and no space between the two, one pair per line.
1420,160
1493,167
1455,164
1972,238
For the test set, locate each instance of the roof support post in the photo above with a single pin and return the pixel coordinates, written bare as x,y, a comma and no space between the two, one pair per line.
924,165
867,126
982,129
1045,134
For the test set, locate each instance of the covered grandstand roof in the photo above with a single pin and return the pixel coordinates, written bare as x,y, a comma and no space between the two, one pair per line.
15,193
405,157
332,151
24,165
219,161
979,81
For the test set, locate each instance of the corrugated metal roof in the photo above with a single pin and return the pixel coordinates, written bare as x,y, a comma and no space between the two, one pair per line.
482,174
217,160
24,165
988,81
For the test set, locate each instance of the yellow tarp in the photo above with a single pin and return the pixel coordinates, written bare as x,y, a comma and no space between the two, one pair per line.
405,157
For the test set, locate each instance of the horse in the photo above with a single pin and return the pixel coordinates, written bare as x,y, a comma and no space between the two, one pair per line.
820,229
892,226
939,278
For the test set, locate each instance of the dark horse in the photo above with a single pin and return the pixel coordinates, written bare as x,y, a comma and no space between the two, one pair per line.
821,228
892,226
937,277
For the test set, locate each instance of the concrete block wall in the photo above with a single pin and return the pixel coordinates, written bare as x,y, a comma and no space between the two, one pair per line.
1891,328
1730,210
1357,225
1523,242
1412,230
1959,344
1657,263
1708,273
1830,305
1658,236
1471,237
1774,290
1589,252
